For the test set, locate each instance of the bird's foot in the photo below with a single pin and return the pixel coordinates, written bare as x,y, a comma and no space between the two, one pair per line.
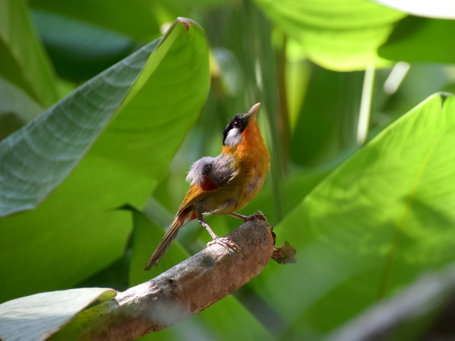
226,242
255,216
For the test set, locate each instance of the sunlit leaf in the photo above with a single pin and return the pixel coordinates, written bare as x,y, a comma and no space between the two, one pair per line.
337,34
373,226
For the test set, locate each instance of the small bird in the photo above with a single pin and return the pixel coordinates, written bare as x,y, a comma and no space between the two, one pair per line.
222,184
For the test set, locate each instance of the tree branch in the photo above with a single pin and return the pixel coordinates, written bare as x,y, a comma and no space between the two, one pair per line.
185,289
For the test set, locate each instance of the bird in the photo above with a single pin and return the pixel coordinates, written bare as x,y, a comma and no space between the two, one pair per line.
222,184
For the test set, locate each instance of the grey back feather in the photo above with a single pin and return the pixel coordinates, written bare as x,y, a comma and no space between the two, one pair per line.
218,169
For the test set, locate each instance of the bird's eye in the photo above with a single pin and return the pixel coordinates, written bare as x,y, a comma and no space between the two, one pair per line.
236,124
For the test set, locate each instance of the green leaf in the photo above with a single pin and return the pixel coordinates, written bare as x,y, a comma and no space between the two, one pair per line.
420,40
79,50
295,185
36,317
137,20
422,80
71,128
145,237
22,59
15,101
319,138
336,34
373,226
75,122
77,230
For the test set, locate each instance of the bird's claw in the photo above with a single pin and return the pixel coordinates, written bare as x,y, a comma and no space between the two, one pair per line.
258,215
228,243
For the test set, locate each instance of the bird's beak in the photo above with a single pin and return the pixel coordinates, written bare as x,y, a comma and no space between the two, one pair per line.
254,109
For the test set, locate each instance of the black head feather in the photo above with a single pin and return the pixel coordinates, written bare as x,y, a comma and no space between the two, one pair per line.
240,121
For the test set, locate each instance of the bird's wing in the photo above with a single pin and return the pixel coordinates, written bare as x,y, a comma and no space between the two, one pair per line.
210,173
207,175
194,195
223,170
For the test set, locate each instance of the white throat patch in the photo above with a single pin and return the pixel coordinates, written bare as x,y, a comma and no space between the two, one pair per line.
233,137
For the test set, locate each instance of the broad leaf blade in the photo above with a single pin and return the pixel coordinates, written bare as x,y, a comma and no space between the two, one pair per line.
337,34
36,317
374,225
77,230
55,141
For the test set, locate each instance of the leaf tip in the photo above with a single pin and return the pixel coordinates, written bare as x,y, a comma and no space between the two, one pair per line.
444,95
186,22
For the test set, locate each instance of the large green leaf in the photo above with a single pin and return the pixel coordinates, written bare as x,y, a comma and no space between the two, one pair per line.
337,34
76,230
373,226
55,141
421,40
36,159
38,316
22,59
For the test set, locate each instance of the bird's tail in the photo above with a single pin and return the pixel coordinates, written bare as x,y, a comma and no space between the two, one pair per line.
168,237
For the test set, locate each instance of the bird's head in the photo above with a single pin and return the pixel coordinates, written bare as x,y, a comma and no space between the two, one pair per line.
240,126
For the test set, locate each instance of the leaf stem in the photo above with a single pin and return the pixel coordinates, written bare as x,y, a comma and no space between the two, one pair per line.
365,105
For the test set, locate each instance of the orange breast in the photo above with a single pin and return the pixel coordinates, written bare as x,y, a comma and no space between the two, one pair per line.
252,161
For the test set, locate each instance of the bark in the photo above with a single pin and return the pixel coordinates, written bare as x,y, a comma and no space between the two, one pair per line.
187,288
